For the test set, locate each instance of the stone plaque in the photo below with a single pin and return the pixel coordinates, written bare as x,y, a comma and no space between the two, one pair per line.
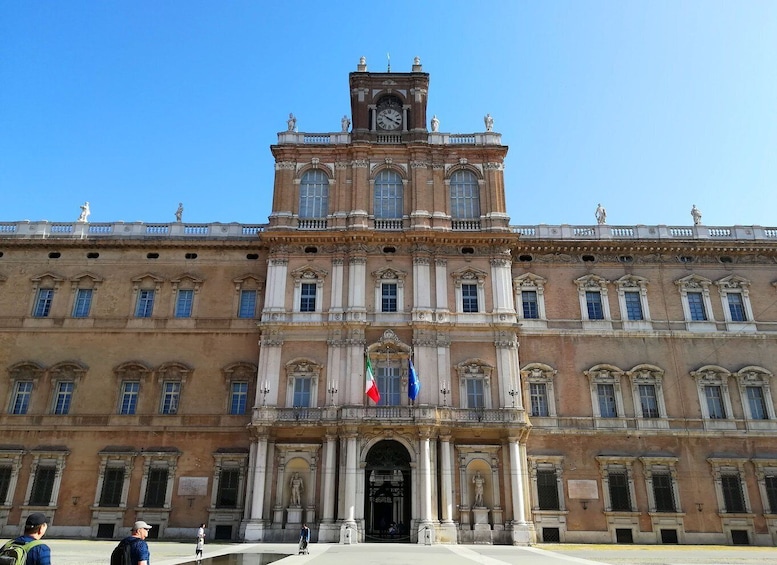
583,489
192,486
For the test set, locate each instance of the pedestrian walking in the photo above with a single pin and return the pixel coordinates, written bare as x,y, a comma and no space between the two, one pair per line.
29,544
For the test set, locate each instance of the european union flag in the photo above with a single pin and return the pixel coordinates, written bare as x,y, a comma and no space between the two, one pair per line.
413,384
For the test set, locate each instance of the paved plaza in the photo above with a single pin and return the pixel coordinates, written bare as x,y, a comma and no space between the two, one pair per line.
87,552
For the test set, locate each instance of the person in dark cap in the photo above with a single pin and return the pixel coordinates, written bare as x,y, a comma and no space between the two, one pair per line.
139,552
34,529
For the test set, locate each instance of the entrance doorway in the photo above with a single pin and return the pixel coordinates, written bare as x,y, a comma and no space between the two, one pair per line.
387,508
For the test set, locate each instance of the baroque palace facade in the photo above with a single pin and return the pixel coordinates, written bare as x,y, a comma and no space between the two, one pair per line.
578,383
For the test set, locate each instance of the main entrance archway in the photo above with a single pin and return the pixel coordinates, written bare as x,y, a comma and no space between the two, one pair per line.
387,504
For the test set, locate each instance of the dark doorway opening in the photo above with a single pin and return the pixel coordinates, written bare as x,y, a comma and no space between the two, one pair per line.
387,504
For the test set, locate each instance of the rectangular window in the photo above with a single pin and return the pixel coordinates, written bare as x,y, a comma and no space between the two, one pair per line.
21,397
183,303
63,397
696,306
43,485
757,403
733,498
302,392
648,400
633,306
171,392
83,303
388,297
547,490
145,304
389,385
475,393
538,393
469,294
113,483
156,488
43,302
607,406
619,491
531,309
715,405
593,300
129,397
229,483
307,301
736,307
771,492
663,493
5,483
247,307
238,398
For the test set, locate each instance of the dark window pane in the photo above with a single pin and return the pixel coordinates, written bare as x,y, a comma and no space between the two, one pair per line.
113,482
619,491
662,492
736,307
388,297
607,406
733,498
593,300
547,490
648,400
156,488
469,293
696,306
633,306
539,399
43,486
229,482
308,297
771,493
531,310
5,482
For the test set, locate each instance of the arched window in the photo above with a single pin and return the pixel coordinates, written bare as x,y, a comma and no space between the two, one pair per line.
314,195
388,195
465,195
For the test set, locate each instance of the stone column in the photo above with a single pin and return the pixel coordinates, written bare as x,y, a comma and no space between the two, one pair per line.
446,474
348,528
255,526
516,482
329,478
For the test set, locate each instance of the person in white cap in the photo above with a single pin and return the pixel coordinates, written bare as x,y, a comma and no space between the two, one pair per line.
134,546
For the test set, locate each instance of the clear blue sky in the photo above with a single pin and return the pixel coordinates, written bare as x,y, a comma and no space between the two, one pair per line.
647,107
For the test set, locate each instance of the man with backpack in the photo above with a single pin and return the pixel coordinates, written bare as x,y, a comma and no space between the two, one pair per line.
133,550
27,548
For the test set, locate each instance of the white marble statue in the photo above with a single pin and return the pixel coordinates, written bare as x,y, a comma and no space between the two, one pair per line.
696,215
435,123
345,123
291,122
489,121
179,212
84,216
479,482
601,215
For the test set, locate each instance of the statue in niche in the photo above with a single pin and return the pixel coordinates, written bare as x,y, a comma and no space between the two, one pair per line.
696,215
84,216
297,486
601,215
479,483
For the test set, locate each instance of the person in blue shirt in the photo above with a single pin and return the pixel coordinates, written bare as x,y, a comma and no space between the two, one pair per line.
34,529
304,538
139,548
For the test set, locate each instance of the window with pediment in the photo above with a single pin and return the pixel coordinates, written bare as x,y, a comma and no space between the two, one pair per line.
156,485
714,397
632,298
10,465
240,378
84,292
308,289
469,285
475,383
606,395
389,290
539,393
116,464
145,290
130,377
661,483
303,377
697,307
756,394
229,479
171,378
248,290
617,483
44,288
729,476
529,291
547,481
735,298
766,475
48,465
594,302
647,391
185,288
24,378
64,379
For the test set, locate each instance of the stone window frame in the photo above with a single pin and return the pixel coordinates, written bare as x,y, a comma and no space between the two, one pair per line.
248,282
540,373
753,375
469,275
131,371
646,374
186,281
308,275
86,281
146,281
46,456
594,283
479,186
393,276
229,460
547,463
24,371
661,464
388,167
734,284
11,457
696,283
241,372
606,374
66,371
728,466
535,283
612,464
765,467
115,457
156,459
44,281
324,201
171,372
475,369
714,375
634,283
303,368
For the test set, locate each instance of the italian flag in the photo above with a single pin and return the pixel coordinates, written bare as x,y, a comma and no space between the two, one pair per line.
371,387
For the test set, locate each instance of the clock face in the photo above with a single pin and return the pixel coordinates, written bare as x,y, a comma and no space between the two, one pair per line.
389,119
